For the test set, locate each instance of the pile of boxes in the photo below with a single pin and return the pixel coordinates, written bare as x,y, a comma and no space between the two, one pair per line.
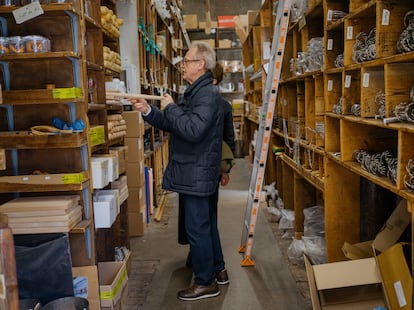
134,140
377,274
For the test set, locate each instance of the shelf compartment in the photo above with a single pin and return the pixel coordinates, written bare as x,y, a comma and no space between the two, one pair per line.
334,43
332,134
351,90
26,140
356,136
342,209
333,90
372,85
398,83
334,5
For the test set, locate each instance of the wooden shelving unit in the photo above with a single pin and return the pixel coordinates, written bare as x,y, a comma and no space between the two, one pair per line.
320,138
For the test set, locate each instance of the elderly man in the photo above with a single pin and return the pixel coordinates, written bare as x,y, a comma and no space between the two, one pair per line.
195,124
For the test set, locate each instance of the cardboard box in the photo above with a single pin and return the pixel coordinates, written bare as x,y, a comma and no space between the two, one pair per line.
396,278
135,149
210,42
396,275
106,207
354,284
190,21
113,278
241,27
113,167
135,174
122,153
99,172
225,21
134,123
137,199
136,224
86,285
388,235
202,25
251,17
225,43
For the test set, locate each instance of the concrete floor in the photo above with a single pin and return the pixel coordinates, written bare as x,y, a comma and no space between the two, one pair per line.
158,264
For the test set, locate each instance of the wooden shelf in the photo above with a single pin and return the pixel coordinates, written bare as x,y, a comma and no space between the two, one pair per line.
26,140
6,187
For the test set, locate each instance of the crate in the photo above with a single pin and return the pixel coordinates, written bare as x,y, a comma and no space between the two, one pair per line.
372,83
333,90
398,82
351,90
334,42
374,139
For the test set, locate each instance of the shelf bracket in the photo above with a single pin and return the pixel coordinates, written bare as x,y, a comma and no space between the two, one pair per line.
76,71
6,74
75,23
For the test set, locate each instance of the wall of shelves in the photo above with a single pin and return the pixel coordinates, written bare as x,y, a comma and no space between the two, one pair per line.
315,120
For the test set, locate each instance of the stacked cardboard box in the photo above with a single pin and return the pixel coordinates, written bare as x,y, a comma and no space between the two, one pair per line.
134,140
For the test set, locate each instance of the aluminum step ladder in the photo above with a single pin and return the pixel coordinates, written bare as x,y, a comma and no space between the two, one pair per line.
265,129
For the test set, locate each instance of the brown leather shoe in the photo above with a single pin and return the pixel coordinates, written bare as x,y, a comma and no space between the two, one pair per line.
222,277
196,292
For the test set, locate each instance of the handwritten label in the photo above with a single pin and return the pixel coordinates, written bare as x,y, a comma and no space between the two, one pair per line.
27,12
330,44
347,81
365,80
385,17
349,32
330,85
329,17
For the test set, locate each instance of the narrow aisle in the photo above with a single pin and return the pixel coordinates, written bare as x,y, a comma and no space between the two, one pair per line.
159,261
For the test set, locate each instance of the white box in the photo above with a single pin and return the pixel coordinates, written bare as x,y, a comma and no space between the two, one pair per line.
99,172
113,168
105,208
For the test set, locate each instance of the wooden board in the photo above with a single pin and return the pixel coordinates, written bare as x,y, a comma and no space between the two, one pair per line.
41,203
48,226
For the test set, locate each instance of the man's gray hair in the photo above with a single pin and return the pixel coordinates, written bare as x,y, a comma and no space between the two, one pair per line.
206,52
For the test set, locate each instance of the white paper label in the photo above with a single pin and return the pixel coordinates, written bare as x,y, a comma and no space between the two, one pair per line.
330,85
385,17
400,294
365,80
330,45
347,81
349,32
329,17
27,12
47,178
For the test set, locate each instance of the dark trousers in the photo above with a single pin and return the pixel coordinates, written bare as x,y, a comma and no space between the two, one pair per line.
200,222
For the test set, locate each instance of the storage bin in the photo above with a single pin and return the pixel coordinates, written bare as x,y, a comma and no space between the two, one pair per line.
16,45
99,172
4,45
36,44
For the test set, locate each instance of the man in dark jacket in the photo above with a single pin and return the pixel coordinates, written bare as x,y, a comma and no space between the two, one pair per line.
228,138
195,124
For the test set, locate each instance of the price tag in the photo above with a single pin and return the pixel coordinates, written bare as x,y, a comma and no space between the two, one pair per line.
349,32
347,81
27,12
365,80
330,45
330,85
385,17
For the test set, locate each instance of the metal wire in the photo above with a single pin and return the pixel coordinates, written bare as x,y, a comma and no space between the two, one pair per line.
364,48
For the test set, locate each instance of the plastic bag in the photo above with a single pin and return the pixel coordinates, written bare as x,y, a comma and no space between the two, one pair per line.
314,223
295,252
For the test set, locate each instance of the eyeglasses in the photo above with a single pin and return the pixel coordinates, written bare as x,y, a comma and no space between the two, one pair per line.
186,61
